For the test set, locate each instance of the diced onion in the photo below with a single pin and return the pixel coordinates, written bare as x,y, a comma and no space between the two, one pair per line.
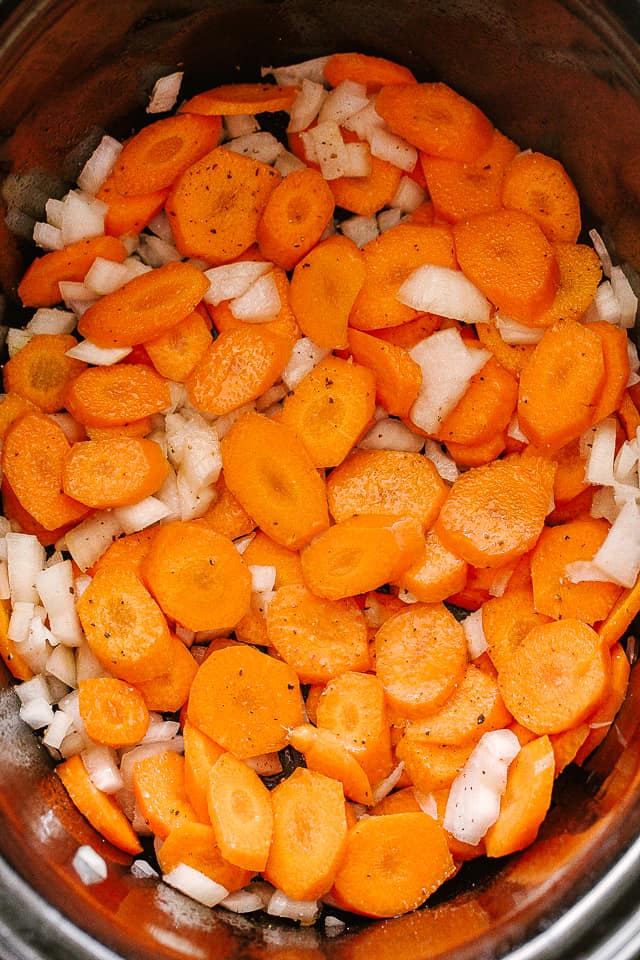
385,786
20,621
280,905
156,252
102,766
35,689
446,292
343,101
240,124
619,556
88,541
604,306
57,730
427,803
262,146
37,713
196,885
56,588
51,320
242,901
306,106
263,577
25,560
599,465
16,339
357,160
360,229
286,162
389,218
265,764
165,92
233,279
601,249
474,634
99,165
304,357
387,146
104,276
329,149
141,515
627,300
259,303
89,865
515,333
408,196
143,870
61,663
47,237
82,217
365,122
389,434
295,73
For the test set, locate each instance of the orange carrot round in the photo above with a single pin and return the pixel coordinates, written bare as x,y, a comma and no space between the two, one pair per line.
241,813
295,217
116,395
539,185
113,473
41,371
113,712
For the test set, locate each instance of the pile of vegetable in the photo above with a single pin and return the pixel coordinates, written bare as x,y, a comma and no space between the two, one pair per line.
320,484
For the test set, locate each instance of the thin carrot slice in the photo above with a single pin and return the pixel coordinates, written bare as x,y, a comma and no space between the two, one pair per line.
330,409
39,286
144,307
10,650
398,377
577,508
153,158
566,745
273,477
263,551
41,371
366,195
225,515
511,356
245,701
621,616
386,482
13,406
135,428
599,722
561,384
484,410
360,554
580,274
194,844
215,206
241,813
616,367
539,185
113,712
569,480
496,512
128,215
556,676
431,766
507,620
115,395
100,809
324,753
197,576
158,783
200,754
241,98
373,72
319,638
323,290
409,334
128,551
295,217
436,574
124,626
477,454
400,801
169,692
113,473
436,119
176,352
14,511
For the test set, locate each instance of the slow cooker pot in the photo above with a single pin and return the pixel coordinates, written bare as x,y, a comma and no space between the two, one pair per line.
562,77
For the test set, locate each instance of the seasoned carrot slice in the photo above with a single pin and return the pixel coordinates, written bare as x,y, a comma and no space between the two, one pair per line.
263,551
295,217
324,753
241,98
116,395
506,621
580,274
538,185
128,551
616,367
398,377
176,352
113,473
569,481
144,307
628,414
245,701
134,428
511,356
41,371
194,844
100,809
39,286
129,215
226,515
622,614
200,754
197,576
169,692
600,721
13,510
409,334
13,406
436,574
484,410
273,477
241,813
431,766
374,72
158,783
113,712
477,454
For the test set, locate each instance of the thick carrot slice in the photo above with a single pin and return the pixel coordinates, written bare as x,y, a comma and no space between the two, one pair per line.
309,832
176,352
319,638
436,119
241,813
124,626
194,844
197,576
539,185
215,206
245,701
526,800
360,554
600,721
116,395
575,509
553,593
580,274
373,72
113,712
324,753
391,849
628,413
263,551
330,409
507,620
128,551
200,754
400,801
237,367
484,410
398,377
113,473
33,454
556,676
169,692
100,809
569,480
421,657
158,783
41,371
437,574
273,477
324,287
14,511
144,307
496,512
153,158
39,286
566,745
389,259
9,649
233,99
621,616
561,384
431,766
510,260
366,195
295,217
129,215
226,515
386,482
616,367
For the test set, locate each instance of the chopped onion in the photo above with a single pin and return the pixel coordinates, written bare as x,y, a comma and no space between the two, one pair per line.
160,730
72,430
57,730
239,125
141,515
20,621
56,588
104,276
37,713
365,122
89,865
159,226
515,333
280,905
603,504
360,229
357,160
306,106
263,577
618,558
25,560
259,303
295,73
269,397
634,363
77,297
625,465
287,162
82,217
47,320
200,460
304,357
599,465
88,541
427,803
389,434
35,689
408,196
262,146
514,430
16,340
329,149
61,664
155,251
233,279
165,92
265,764
87,664
387,146
99,165
386,786
242,901
448,293
143,870
47,237
627,300
389,218
53,211
102,767
342,102
444,464
601,249
196,885
474,634
604,306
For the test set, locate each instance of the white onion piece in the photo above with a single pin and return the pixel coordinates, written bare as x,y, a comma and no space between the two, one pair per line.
634,363
343,101
104,276
57,730
263,577
581,571
357,160
224,423
599,465
273,395
444,464
304,357
601,249
99,165
280,905
627,300
159,226
360,229
265,764
385,786
25,560
408,196
53,211
625,465
427,803
56,588
308,147
619,556
37,713
165,92
16,340
88,541
261,146
286,162
72,430
135,267
82,217
159,730
295,73
89,865
233,279
388,434
389,218
47,236
306,106
433,289
61,664
514,430
20,621
365,122
36,648
51,320
196,885
242,901
329,149
35,689
603,504
143,870
474,634
76,295
515,333
156,252
200,462
260,303
239,125
604,306
102,767
139,516
87,664
387,146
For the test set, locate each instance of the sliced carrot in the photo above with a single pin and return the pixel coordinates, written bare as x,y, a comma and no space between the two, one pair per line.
599,722
409,334
578,508
115,395
158,783
144,307
41,371
128,215
124,626
540,186
241,813
373,72
324,753
153,158
398,377
478,454
237,367
39,286
566,746
569,480
437,574
135,428
169,692
295,217
215,206
360,554
113,473
241,98
495,513
580,274
100,809
194,844
245,701
10,650
484,410
128,551
263,551
561,384
330,409
511,356
507,620
627,412
319,638
616,367
14,511
366,195
400,801
200,754
621,616
274,479
324,287
526,800
225,515
431,766
12,406
436,119
197,576
507,256
175,353
113,712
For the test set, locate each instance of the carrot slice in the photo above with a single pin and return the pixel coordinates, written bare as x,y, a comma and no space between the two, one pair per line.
627,413
621,616
144,307
197,576
436,574
153,158
241,813
373,72
569,480
409,334
113,712
431,766
274,479
510,260
13,406
215,206
495,513
398,377
616,367
599,722
41,371
233,99
284,325
507,620
113,473
115,395
128,551
134,428
100,809
580,274
484,410
324,753
194,844
39,286
175,353
168,692
158,783
295,217
539,185
200,754
366,195
225,515
245,701
511,356
421,657
391,849
436,119
10,650
263,551
128,215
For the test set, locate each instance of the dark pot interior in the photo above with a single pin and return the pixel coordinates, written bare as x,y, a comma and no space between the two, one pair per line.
560,77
